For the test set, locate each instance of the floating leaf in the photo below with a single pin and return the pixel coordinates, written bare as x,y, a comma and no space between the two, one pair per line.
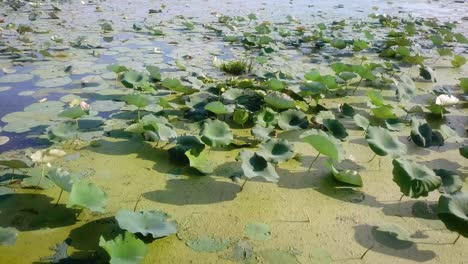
383,143
133,79
336,128
276,150
451,182
458,61
240,116
257,231
464,151
361,121
394,124
464,84
124,249
279,100
62,178
450,134
154,223
199,161
87,195
136,99
262,133
346,176
15,163
383,112
427,73
63,131
218,108
393,236
216,133
452,210
324,144
347,110
73,112
414,180
406,88
207,244
375,97
267,117
255,165
292,119
8,236
176,86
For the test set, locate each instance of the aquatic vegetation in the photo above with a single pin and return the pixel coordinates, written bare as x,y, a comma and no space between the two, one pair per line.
415,180
452,211
324,144
87,195
8,236
124,248
384,143
154,223
237,67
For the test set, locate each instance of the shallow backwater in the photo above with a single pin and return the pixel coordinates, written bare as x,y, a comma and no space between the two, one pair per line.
304,218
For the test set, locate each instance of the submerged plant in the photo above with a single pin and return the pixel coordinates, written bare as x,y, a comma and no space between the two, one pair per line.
237,67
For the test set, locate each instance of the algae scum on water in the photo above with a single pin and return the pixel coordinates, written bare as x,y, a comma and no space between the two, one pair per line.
237,132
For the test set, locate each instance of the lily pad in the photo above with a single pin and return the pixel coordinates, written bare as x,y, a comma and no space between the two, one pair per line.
452,210
136,99
336,128
276,150
324,144
216,133
415,180
279,100
451,182
87,195
218,108
55,82
15,163
292,119
255,165
423,135
392,236
257,231
361,121
154,223
16,78
62,178
124,249
207,244
267,117
133,79
383,143
200,161
351,177
262,133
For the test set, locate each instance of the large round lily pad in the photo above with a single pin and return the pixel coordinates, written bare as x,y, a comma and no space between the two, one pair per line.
292,119
383,143
255,165
216,133
276,150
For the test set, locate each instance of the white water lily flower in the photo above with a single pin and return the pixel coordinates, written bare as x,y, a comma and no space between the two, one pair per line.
446,100
47,155
84,106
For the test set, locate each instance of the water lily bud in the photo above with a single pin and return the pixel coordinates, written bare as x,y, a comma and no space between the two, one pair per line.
84,106
446,100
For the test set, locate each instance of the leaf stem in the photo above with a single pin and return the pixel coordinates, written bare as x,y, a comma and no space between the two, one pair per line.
357,86
242,186
310,167
456,239
58,199
373,157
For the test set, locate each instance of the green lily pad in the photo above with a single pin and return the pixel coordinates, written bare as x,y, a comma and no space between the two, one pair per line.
218,108
124,249
267,117
361,121
255,165
15,163
63,131
423,135
324,144
207,244
136,99
351,177
427,73
279,100
262,133
394,124
453,211
133,79
464,151
216,133
450,134
87,195
176,86
8,236
406,88
375,98
415,180
16,78
292,119
154,223
347,110
240,116
451,182
62,178
155,73
73,112
336,128
257,231
458,61
36,180
383,112
55,82
276,150
200,161
383,143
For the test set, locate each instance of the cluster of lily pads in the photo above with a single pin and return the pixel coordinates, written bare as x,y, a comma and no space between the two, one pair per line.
253,95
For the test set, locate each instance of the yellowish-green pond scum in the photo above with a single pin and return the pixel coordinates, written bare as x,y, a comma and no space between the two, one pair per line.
204,131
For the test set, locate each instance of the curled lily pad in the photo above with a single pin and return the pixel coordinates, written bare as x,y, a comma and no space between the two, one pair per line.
383,143
415,180
133,79
62,178
423,135
276,150
361,121
154,223
262,133
351,177
255,165
427,73
453,211
8,236
87,195
292,119
324,144
124,249
279,100
199,161
267,117
216,133
451,182
406,88
383,112
336,128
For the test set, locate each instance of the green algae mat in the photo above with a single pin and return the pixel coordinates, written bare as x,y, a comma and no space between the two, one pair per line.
237,132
